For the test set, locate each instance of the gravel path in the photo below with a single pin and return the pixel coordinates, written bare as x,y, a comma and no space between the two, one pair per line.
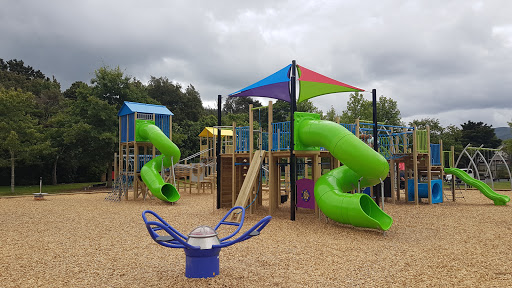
83,241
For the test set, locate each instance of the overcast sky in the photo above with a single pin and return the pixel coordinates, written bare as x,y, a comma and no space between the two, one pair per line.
450,60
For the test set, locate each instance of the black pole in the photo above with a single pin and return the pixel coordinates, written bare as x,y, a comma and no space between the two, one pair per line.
375,140
219,123
292,155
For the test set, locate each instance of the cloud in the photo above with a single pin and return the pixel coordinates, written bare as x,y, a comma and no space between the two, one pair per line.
437,58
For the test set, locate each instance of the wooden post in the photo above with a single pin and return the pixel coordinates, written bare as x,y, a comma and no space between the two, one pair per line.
316,171
170,127
272,165
233,171
398,185
404,140
251,133
392,176
119,163
429,167
357,128
136,159
415,164
128,155
452,160
442,163
273,198
406,176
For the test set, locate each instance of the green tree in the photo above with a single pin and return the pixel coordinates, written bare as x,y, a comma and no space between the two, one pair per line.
479,133
358,107
14,74
387,111
98,124
111,85
281,111
23,140
507,144
434,125
237,105
71,92
307,106
66,133
185,103
330,115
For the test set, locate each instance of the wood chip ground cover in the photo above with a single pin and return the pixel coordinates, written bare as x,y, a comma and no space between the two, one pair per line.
83,241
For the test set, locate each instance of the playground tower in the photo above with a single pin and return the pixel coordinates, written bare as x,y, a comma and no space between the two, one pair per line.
134,153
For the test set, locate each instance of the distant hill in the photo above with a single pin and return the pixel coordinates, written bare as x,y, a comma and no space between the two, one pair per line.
503,133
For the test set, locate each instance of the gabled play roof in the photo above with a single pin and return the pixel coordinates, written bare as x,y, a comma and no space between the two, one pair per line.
209,132
131,107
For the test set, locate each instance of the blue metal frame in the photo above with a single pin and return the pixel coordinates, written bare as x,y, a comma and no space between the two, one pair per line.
242,139
281,136
180,241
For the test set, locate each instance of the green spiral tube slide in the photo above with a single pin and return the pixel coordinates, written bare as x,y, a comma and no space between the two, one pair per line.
150,172
360,162
482,186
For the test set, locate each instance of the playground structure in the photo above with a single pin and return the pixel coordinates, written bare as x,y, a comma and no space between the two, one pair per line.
145,134
406,145
145,151
284,143
244,169
477,157
242,166
202,246
202,175
488,158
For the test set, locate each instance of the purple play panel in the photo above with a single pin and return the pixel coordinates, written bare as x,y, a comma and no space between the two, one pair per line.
305,193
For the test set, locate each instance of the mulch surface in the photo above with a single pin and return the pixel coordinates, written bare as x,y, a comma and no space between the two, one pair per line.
80,240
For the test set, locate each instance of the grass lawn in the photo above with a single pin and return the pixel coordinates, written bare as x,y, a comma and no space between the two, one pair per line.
50,189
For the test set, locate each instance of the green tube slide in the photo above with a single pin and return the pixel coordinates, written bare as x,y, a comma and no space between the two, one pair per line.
150,172
482,186
360,162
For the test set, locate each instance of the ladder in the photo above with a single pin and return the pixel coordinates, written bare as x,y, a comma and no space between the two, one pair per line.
120,188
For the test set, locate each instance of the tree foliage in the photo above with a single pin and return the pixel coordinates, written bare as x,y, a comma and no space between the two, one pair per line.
434,125
71,136
359,107
185,104
330,115
111,85
238,105
23,139
508,144
479,133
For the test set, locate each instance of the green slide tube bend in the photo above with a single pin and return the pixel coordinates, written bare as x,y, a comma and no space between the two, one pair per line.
482,186
360,162
150,172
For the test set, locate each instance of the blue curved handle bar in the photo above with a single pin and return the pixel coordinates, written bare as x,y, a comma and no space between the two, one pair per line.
254,231
223,222
179,240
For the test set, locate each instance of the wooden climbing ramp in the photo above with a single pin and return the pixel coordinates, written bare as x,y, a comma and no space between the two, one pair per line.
251,179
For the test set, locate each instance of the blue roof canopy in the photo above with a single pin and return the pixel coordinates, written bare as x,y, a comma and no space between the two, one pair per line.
131,107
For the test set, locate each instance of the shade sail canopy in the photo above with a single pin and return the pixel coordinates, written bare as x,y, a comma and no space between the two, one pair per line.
211,132
310,84
274,86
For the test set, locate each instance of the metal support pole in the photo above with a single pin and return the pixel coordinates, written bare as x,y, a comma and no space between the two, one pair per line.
382,193
292,155
219,123
375,132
